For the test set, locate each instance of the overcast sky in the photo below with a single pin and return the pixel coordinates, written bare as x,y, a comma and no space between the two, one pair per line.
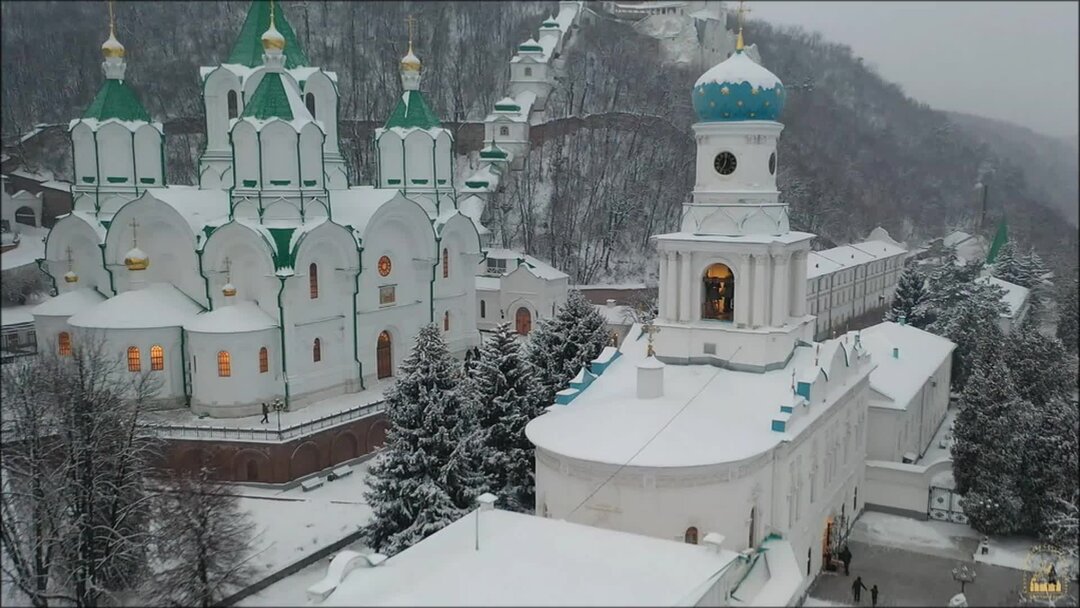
1015,61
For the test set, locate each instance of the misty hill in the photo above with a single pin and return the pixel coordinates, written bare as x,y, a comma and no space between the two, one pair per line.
1049,163
615,159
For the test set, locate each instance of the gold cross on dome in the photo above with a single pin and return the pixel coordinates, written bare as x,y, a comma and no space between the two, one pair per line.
70,258
652,330
741,12
134,232
411,21
228,267
112,20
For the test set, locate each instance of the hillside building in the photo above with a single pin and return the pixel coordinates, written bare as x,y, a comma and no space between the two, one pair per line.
846,282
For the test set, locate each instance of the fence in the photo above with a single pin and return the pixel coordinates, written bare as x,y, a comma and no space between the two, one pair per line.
193,431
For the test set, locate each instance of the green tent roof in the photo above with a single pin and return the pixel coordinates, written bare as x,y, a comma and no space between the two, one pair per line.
116,100
269,100
248,50
283,257
412,111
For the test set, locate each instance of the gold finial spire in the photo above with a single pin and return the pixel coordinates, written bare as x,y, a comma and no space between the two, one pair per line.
272,40
136,259
652,330
411,21
70,276
741,12
271,13
112,47
410,62
134,233
228,290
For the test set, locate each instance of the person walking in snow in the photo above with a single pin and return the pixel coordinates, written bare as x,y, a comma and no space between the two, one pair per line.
845,557
857,587
266,413
873,596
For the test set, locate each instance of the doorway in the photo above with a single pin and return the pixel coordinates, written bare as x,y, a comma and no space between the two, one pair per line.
523,321
384,356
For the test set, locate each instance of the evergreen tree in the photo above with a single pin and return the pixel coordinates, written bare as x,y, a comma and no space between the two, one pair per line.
1038,365
1036,268
1067,316
987,456
1049,462
964,311
1009,264
910,299
426,477
503,394
565,343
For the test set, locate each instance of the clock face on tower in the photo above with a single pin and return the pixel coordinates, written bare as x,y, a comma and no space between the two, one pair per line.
724,163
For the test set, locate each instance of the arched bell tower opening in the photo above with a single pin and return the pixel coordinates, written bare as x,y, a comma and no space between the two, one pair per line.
718,293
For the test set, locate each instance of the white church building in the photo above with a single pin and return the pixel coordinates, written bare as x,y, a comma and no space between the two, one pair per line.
724,417
274,277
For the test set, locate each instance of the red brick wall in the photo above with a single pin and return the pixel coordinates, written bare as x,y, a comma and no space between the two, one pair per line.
279,462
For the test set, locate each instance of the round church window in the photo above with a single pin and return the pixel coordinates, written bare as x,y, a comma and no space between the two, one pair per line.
384,266
772,164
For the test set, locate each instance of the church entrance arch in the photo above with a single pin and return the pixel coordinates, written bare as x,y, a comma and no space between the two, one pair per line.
718,293
384,356
523,321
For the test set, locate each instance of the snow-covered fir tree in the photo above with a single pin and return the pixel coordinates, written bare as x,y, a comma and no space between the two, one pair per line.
565,343
1068,311
1018,268
1038,364
910,299
503,394
990,429
426,476
1049,462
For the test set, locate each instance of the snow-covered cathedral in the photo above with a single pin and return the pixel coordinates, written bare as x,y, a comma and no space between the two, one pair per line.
274,277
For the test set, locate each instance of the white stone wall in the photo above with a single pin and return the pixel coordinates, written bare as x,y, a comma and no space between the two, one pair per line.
895,432
241,393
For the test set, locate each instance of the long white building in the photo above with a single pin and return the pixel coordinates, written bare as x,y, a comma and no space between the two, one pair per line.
851,280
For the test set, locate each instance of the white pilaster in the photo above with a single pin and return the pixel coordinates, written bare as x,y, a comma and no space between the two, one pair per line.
780,296
743,283
760,305
684,286
662,297
798,300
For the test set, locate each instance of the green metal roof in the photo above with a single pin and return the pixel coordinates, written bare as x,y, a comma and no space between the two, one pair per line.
248,50
531,47
507,107
269,100
412,111
115,99
283,257
492,151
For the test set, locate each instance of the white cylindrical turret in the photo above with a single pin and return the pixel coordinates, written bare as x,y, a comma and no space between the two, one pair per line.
650,378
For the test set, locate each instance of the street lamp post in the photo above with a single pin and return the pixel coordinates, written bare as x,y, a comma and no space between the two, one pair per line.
278,406
963,574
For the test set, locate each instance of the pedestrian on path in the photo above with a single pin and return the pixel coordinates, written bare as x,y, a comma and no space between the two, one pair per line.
873,596
266,413
857,587
845,557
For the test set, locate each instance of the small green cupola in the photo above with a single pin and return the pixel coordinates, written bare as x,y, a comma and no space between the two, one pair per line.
412,110
249,46
115,99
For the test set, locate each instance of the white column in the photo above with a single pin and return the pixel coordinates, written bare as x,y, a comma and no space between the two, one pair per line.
743,286
684,286
760,305
798,261
781,279
662,288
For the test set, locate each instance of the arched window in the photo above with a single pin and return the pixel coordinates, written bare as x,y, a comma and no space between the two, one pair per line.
233,107
134,359
384,356
309,101
446,321
691,535
157,358
504,131
25,215
224,364
316,351
528,71
445,263
483,309
264,360
313,280
718,293
63,342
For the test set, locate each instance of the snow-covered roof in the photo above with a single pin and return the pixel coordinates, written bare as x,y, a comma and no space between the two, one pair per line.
757,239
525,560
69,303
919,354
615,314
31,247
197,206
739,68
156,305
356,206
1015,295
725,415
244,316
879,248
487,283
955,238
17,315
847,256
543,270
567,13
818,265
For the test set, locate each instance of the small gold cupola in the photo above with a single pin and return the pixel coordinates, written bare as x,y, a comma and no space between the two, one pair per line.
111,48
70,276
136,259
272,40
228,289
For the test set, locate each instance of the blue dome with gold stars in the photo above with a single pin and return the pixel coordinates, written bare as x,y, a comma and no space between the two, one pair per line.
738,89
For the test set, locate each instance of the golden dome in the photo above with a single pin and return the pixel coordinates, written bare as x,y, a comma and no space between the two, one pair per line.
229,290
112,48
71,277
272,40
136,259
410,62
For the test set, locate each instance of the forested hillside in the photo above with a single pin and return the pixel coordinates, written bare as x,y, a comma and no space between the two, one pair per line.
614,160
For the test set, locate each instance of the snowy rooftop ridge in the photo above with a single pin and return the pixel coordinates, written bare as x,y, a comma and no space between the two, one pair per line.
1015,295
519,557
900,373
737,69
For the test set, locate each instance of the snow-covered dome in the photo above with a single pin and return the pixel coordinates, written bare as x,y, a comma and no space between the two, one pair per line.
738,89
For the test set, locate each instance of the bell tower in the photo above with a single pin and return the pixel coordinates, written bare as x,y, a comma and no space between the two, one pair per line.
733,279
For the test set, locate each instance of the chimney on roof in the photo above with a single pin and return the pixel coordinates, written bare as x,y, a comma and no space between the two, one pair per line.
650,378
610,303
714,541
896,352
487,503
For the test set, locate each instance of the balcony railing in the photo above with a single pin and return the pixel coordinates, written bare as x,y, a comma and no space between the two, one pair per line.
196,431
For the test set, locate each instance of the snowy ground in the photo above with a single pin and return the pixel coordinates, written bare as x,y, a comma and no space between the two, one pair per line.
293,523
935,452
31,247
813,601
292,590
944,539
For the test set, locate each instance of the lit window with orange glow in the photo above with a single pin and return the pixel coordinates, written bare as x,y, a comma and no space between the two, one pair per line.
64,344
157,358
264,360
134,359
224,364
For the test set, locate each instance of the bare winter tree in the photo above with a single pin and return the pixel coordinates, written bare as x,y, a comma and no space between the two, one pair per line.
203,547
75,472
